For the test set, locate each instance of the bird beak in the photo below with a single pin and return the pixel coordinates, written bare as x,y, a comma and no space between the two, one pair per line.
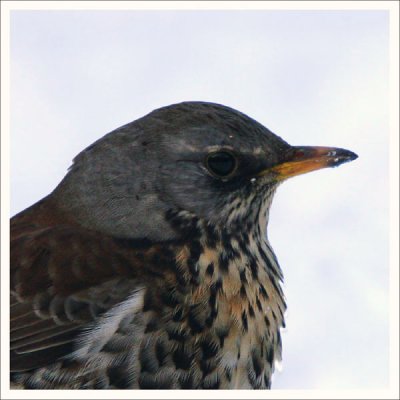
300,160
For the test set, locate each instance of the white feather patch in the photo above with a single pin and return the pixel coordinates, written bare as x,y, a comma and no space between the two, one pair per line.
99,333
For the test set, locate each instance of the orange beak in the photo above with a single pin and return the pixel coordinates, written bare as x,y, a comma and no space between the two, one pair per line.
300,160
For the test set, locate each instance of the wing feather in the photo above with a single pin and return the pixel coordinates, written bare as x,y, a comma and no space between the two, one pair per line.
63,277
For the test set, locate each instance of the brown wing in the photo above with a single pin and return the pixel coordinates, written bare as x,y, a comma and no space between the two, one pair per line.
62,277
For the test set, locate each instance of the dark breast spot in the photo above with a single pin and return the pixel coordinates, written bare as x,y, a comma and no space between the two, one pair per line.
197,317
269,354
251,311
259,306
254,269
178,314
243,278
211,236
257,363
244,321
210,269
222,333
161,352
177,333
181,358
118,377
263,292
195,251
209,348
223,262
170,297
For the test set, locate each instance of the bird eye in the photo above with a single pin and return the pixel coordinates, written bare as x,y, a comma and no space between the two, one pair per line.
221,163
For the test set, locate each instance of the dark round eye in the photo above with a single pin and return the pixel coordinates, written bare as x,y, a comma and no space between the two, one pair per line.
221,163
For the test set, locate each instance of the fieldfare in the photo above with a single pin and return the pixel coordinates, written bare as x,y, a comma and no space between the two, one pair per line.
148,266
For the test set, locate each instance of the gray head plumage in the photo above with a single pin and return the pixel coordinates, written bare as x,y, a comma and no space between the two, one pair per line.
124,183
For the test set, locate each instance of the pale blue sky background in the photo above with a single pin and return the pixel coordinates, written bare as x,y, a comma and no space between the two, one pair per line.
312,77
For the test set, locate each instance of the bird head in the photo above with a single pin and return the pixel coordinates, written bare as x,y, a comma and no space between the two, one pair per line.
203,159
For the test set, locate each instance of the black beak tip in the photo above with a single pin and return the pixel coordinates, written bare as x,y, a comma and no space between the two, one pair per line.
342,156
352,156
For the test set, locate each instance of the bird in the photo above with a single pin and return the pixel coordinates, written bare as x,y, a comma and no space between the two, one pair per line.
149,265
